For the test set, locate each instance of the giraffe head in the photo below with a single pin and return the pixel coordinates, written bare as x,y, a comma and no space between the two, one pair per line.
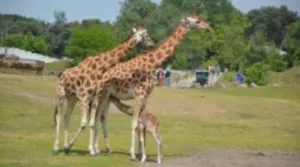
196,21
141,35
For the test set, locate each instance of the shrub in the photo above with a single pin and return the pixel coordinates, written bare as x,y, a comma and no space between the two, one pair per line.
276,61
258,73
229,76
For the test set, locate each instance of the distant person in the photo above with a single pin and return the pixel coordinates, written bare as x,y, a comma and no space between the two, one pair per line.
161,77
218,70
239,78
168,78
157,76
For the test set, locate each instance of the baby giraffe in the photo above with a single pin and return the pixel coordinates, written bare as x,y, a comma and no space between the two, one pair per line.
147,122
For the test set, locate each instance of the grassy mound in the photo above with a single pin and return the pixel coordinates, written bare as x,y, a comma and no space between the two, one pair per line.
289,77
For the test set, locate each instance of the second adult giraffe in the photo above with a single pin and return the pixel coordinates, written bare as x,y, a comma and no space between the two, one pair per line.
134,79
78,84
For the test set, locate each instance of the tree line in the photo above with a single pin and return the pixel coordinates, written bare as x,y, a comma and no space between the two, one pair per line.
238,42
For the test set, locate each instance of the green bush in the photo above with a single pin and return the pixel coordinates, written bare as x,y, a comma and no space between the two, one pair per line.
258,73
276,61
229,76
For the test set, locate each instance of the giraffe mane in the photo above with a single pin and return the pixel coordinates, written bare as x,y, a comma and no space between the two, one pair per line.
156,46
127,38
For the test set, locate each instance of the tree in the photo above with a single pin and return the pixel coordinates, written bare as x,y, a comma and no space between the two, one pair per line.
87,41
58,34
257,48
180,62
275,61
28,42
273,21
11,24
292,44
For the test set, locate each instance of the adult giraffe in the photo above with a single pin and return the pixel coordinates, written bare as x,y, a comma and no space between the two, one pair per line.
134,79
78,84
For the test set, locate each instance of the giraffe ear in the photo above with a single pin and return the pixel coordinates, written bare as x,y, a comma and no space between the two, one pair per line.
134,30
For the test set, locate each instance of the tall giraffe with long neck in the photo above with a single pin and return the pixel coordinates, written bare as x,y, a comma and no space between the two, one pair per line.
134,79
79,84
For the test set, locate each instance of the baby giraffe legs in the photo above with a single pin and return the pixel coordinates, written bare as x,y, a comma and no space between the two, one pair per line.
148,122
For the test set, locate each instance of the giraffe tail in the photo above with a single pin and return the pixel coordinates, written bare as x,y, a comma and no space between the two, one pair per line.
59,74
126,109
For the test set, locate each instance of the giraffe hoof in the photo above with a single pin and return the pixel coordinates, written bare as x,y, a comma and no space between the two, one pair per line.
55,152
93,153
132,158
97,152
108,151
143,159
66,150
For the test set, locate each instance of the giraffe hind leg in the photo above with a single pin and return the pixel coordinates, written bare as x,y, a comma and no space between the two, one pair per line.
158,145
104,126
57,117
70,106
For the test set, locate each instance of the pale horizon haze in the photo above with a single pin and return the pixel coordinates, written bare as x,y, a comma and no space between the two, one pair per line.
106,10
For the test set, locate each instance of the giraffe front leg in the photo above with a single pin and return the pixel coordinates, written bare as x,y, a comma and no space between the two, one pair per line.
83,122
133,136
142,140
142,104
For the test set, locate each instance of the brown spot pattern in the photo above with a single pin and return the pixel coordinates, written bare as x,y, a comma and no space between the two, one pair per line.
105,58
94,66
90,91
151,60
75,72
168,52
159,55
87,83
97,59
72,79
93,77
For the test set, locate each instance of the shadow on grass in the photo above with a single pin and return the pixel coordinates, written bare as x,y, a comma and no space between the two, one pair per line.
150,157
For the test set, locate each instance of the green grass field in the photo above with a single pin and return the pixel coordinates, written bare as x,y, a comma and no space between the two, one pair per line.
264,117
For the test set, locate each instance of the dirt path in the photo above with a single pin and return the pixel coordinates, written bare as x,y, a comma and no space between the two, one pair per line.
218,157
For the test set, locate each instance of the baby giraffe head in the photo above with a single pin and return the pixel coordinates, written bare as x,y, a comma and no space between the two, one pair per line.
196,21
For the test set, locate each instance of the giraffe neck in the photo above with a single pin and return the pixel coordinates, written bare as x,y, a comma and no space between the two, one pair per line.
156,57
111,57
121,51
